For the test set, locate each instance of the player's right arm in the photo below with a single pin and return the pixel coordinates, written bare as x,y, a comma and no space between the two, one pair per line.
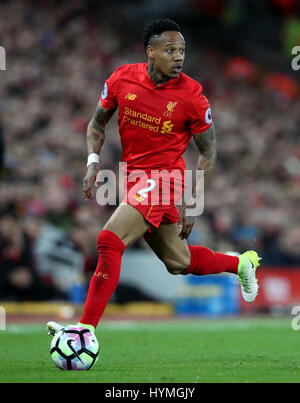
95,137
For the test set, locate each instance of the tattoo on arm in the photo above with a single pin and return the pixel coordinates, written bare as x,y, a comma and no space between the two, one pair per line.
96,129
206,144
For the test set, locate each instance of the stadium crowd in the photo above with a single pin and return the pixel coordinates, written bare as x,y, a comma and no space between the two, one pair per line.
57,63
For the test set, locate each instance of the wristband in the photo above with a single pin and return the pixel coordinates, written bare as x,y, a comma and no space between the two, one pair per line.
93,157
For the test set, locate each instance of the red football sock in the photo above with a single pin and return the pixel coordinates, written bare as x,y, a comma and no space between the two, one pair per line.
205,261
105,278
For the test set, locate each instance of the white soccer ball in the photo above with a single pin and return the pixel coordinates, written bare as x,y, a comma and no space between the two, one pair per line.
74,348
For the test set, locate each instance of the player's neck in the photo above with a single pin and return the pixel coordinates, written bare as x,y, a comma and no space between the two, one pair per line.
156,76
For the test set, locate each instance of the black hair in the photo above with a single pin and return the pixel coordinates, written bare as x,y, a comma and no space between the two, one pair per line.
157,27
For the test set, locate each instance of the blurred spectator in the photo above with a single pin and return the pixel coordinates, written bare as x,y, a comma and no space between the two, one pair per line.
286,6
286,251
241,69
56,255
19,280
283,85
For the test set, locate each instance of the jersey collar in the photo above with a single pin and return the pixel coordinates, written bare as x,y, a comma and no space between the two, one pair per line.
168,83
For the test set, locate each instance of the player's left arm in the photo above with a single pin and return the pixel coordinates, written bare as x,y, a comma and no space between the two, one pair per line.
206,144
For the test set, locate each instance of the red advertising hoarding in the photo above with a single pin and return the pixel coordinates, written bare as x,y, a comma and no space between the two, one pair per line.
278,286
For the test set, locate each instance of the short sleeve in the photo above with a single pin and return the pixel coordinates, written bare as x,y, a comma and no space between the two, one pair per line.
200,114
108,95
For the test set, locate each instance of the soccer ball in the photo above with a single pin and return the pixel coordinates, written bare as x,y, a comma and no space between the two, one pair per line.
74,348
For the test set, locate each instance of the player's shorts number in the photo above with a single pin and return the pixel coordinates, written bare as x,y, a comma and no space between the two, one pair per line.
144,192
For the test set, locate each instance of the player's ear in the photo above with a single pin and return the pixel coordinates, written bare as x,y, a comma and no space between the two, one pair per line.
149,51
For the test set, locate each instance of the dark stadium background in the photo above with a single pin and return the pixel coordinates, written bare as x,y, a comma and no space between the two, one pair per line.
58,55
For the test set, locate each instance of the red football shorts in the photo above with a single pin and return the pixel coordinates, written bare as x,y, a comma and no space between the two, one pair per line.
155,195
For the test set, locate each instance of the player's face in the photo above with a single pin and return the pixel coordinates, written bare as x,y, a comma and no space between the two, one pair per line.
167,53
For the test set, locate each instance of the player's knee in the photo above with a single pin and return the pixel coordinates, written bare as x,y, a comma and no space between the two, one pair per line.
175,271
101,240
108,241
176,263
174,267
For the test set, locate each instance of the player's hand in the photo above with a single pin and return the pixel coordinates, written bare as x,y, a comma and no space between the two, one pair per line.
186,224
92,176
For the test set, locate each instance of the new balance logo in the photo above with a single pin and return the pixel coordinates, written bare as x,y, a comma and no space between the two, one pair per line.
167,127
130,96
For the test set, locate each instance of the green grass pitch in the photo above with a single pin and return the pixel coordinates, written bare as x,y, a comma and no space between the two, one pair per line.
198,350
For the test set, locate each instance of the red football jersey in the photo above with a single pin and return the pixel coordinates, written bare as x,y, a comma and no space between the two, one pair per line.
156,122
